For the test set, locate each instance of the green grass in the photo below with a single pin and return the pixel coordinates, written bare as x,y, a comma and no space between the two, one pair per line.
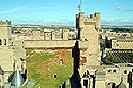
118,58
42,67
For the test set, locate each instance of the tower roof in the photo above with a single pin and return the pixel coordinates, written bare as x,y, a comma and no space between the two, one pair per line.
122,84
17,79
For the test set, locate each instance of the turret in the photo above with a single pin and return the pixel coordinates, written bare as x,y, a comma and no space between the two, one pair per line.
81,18
80,23
17,79
5,23
98,18
5,33
65,34
92,16
52,35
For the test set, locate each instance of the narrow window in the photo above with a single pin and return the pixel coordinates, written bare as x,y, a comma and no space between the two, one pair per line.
85,83
125,72
61,61
109,70
0,42
114,71
4,41
54,76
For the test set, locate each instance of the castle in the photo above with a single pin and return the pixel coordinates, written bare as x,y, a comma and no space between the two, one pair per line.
87,37
92,73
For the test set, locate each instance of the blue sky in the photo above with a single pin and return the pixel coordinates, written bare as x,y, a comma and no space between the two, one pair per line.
62,12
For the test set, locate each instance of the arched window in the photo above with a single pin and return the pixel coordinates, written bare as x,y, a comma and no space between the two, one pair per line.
125,72
114,71
85,82
61,61
0,42
4,41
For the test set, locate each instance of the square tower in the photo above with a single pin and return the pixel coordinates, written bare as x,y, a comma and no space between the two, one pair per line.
36,34
5,33
86,25
88,31
65,33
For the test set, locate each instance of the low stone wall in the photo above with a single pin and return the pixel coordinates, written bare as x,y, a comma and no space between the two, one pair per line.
54,44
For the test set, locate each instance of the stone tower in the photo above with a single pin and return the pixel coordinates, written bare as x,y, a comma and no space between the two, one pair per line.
5,33
98,18
88,31
53,35
36,34
65,33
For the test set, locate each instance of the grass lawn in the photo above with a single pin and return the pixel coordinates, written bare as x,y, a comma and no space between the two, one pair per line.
43,66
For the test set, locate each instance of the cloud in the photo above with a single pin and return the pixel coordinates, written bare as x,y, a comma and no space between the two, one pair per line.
8,11
63,22
24,13
123,9
118,21
23,9
34,15
60,22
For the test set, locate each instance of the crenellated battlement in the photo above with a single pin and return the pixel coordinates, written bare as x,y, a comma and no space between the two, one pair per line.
93,19
5,23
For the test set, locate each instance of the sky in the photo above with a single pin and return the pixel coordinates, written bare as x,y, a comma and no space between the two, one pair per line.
62,12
